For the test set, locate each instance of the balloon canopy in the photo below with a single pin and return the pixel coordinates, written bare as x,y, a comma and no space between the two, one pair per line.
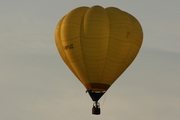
98,44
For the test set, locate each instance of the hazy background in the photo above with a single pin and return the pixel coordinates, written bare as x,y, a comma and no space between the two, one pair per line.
35,84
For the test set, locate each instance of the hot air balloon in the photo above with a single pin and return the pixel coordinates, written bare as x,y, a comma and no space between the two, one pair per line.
98,44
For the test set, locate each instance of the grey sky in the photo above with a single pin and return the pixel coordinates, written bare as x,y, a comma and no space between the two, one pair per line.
35,84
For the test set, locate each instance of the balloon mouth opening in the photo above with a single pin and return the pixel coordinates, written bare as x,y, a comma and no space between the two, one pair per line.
97,87
95,96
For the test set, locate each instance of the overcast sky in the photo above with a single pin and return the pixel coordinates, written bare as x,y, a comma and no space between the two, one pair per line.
35,84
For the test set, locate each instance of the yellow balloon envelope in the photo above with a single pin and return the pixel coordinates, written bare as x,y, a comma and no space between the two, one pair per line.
98,44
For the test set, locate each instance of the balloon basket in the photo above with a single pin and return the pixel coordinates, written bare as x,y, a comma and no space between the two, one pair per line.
96,110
